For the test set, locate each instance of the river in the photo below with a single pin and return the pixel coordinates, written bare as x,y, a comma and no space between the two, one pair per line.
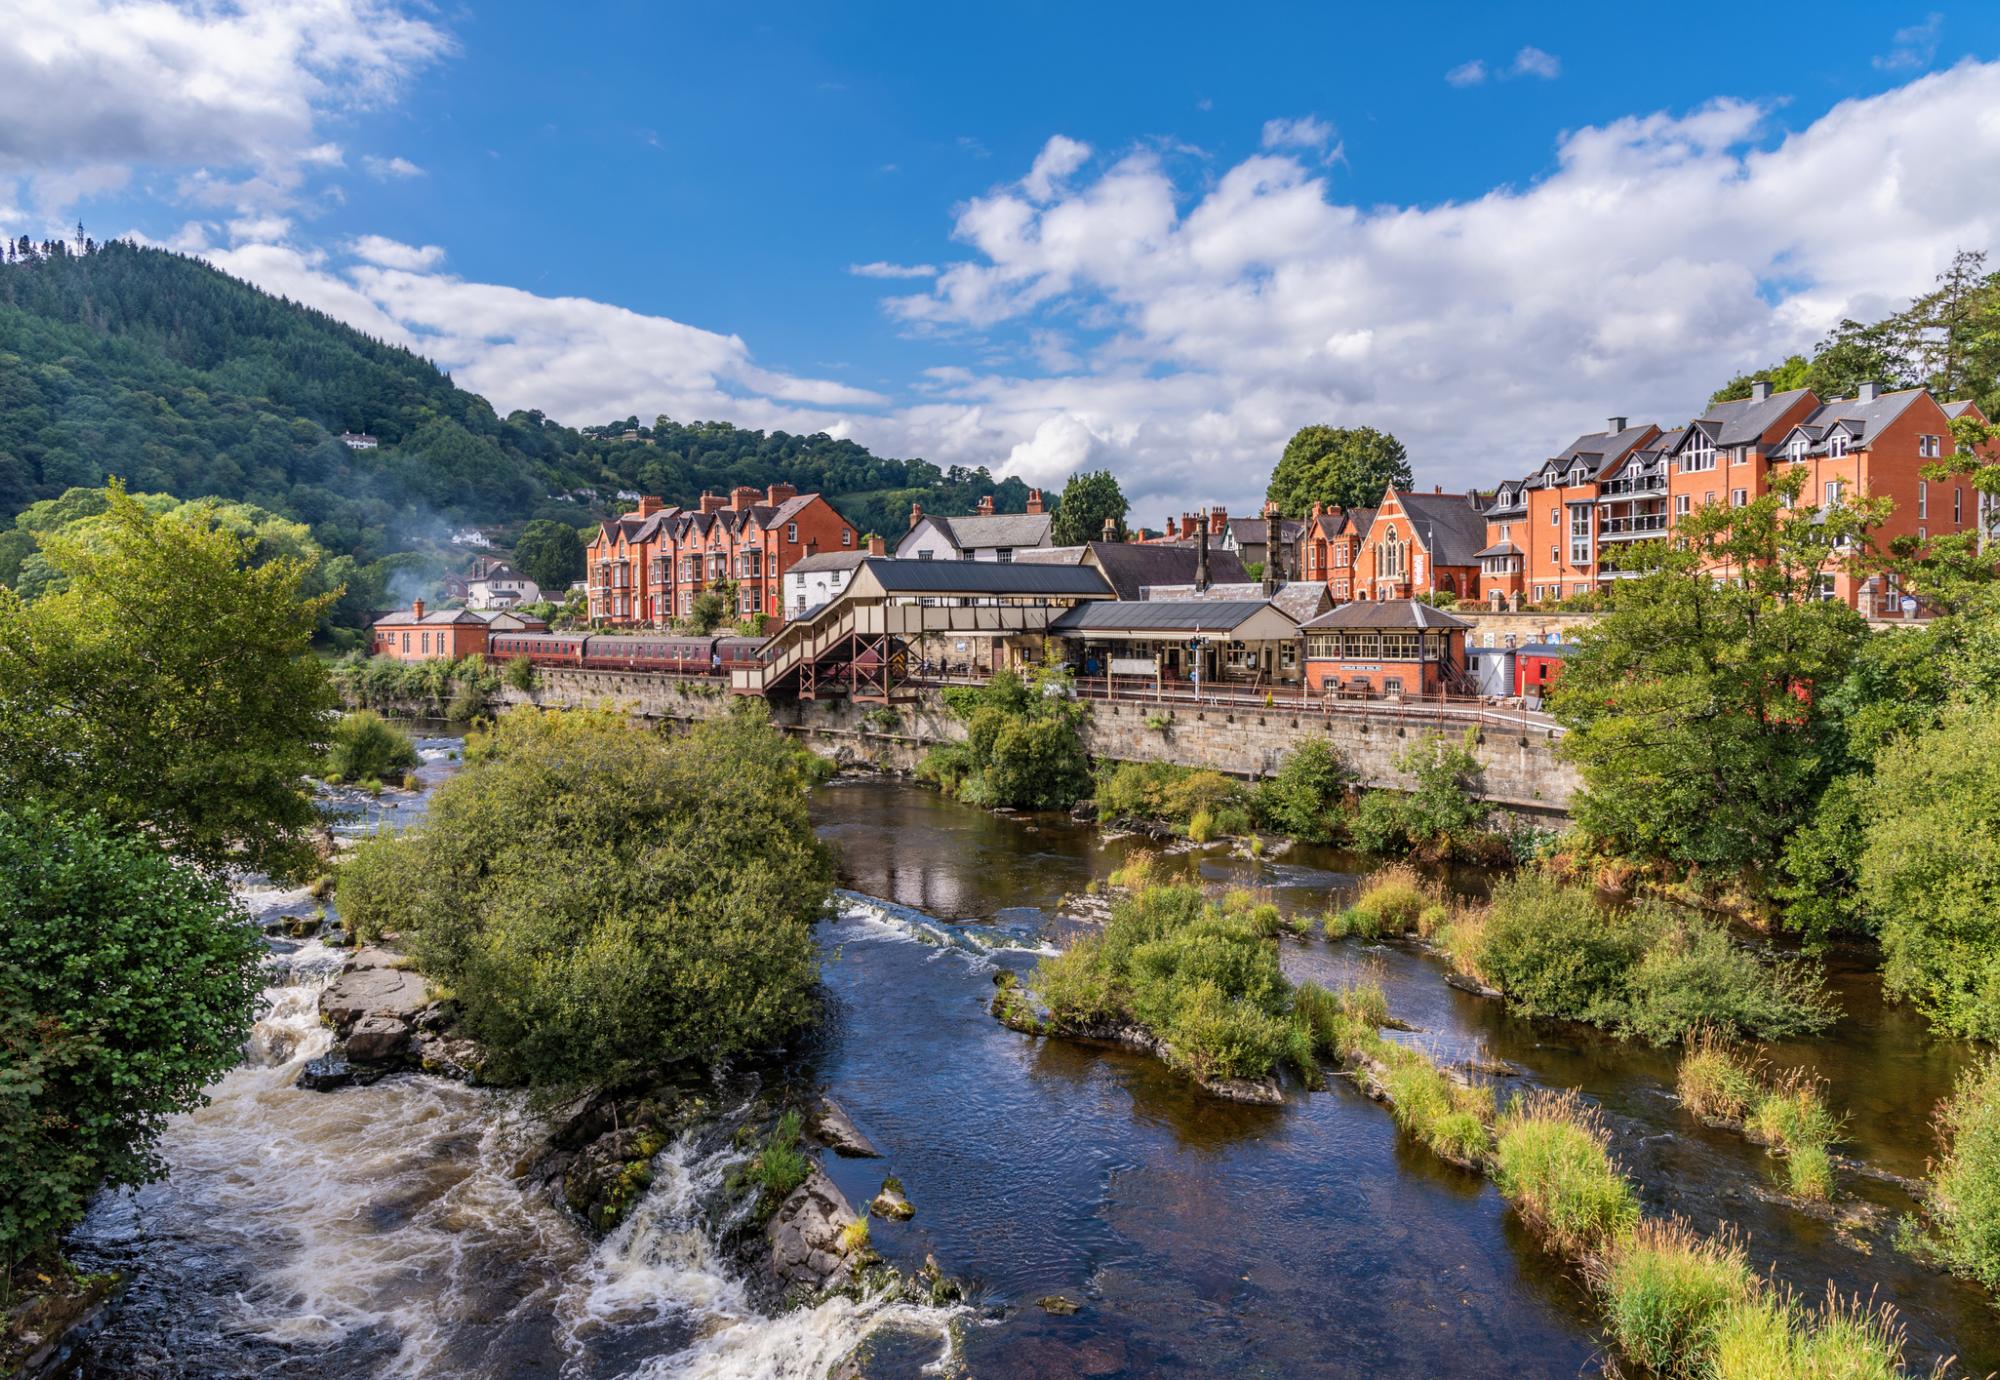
379,1231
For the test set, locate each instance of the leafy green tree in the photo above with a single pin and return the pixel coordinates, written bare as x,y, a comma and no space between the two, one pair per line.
1930,872
607,900
367,747
1696,708
1795,372
550,554
168,687
1443,811
127,983
711,608
1303,797
1021,747
1089,500
1342,467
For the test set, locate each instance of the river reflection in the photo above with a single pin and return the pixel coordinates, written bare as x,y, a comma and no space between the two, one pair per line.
1204,1238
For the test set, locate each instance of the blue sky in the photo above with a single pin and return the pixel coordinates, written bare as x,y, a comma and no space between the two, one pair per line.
1484,227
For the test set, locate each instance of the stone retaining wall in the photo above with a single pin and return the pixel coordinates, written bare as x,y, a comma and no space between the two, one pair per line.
1522,771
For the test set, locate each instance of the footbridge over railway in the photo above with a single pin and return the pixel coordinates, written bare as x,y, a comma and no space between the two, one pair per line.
894,616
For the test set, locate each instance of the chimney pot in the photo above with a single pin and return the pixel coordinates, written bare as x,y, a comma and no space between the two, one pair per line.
742,497
916,515
1760,389
778,493
1437,488
985,506
1111,529
1034,502
712,503
876,546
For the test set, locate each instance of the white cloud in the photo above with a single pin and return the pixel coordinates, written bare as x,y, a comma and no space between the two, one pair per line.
1305,132
1533,62
1060,157
1915,46
382,169
229,89
1061,445
883,269
1664,253
1467,73
388,253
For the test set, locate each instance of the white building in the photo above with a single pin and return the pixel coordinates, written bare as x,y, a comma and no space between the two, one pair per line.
985,536
816,579
470,536
500,587
358,440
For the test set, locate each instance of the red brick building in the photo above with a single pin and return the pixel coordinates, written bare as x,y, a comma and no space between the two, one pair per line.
1421,544
645,568
414,634
1328,547
1386,647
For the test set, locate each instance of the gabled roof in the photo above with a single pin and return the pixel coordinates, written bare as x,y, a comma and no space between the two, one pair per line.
1130,566
982,530
407,618
826,560
1386,613
1025,579
787,511
1858,418
498,572
1296,599
1744,421
1601,450
1257,531
1218,617
1954,410
1450,528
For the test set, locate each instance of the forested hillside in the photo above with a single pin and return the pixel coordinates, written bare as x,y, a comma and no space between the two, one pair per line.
117,360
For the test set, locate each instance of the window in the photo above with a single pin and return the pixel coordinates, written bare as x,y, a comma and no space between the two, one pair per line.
1555,556
1579,535
1923,499
1741,456
425,640
1681,505
1340,554
1836,444
1958,505
1555,517
1004,554
924,555
1796,450
1923,533
1700,455
1506,530
847,536
406,642
791,532
1739,498
1576,475
1929,447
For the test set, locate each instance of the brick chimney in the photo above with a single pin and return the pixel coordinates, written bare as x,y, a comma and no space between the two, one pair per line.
1760,389
1270,508
650,505
1319,510
916,515
984,508
1034,502
1437,488
1111,529
876,546
417,609
713,503
1218,521
778,493
742,497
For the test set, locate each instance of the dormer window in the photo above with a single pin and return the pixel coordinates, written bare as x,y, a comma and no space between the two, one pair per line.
1699,455
1576,475
1836,444
1796,448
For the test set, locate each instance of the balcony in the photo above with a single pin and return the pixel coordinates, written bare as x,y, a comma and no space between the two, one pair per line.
1655,485
1640,528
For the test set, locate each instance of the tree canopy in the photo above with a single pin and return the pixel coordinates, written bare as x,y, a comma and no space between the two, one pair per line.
551,554
603,898
165,682
1340,467
1089,500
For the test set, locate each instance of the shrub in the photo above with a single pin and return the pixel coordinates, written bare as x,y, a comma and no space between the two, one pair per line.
1647,971
1964,1199
127,984
1715,1080
521,674
1442,813
366,747
1390,902
1304,796
1021,749
1666,1293
1379,824
1551,1161
1930,872
604,899
781,1166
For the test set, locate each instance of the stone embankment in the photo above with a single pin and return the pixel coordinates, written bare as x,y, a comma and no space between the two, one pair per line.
1521,770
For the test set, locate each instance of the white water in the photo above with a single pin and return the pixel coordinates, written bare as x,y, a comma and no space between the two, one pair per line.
382,1229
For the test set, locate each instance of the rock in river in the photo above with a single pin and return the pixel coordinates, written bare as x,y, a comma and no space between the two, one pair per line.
805,1233
370,985
838,1133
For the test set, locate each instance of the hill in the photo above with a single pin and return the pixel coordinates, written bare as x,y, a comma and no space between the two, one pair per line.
120,360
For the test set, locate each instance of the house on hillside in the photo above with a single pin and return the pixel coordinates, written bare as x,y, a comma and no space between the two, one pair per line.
819,579
500,586
358,440
984,536
420,634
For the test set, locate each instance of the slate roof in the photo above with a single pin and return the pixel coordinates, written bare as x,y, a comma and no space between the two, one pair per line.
1256,531
1451,528
1742,422
982,577
827,560
1000,529
1499,548
1177,616
435,618
1602,449
1386,613
1954,410
1131,566
1298,600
